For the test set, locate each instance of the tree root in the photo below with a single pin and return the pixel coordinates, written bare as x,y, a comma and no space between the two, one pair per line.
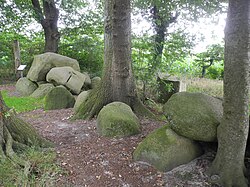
91,106
16,134
24,134
10,153
96,100
222,174
139,108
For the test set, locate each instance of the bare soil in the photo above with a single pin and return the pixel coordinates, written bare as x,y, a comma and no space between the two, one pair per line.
94,161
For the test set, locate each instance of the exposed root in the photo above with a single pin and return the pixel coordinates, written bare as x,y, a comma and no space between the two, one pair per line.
16,134
139,108
24,133
91,106
9,152
223,175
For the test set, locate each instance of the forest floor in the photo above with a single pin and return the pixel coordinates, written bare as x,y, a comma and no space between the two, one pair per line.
94,161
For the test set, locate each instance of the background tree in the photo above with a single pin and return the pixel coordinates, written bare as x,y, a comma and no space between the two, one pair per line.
213,56
162,14
117,82
228,166
81,35
48,18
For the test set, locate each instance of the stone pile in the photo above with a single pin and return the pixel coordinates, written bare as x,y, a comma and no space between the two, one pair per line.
50,71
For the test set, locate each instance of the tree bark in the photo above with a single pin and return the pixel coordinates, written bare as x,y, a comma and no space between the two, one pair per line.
228,166
48,18
16,134
117,82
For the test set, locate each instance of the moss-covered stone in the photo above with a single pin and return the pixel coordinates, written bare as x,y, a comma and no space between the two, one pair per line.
82,97
59,98
95,82
25,86
117,120
194,115
42,90
165,150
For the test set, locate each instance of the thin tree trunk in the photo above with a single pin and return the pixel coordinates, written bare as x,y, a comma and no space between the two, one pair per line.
161,23
228,166
17,56
52,36
117,82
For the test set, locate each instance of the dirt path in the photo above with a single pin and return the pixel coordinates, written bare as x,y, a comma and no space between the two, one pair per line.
94,161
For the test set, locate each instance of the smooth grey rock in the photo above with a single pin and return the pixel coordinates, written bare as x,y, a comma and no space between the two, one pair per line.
42,90
43,63
25,86
67,76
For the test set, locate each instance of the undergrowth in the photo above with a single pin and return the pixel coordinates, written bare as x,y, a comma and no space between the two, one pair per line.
208,86
43,169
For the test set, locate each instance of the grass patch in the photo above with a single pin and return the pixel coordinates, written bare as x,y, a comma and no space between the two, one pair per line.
210,87
43,171
22,104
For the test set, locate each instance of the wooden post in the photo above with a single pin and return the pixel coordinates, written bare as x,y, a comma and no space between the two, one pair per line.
17,57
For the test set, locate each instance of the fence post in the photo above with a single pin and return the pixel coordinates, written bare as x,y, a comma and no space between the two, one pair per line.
17,57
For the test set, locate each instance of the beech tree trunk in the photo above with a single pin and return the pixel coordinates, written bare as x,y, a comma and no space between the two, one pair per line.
228,166
48,18
117,82
16,134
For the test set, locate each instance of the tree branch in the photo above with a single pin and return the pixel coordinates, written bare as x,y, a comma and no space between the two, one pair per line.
38,10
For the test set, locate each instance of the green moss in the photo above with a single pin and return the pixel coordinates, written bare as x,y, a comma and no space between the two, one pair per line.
58,98
91,106
24,133
165,150
117,120
194,115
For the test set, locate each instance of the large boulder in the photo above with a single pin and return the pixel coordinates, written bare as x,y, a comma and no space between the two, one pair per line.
25,86
80,99
68,77
59,98
43,63
117,120
42,90
165,150
194,115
